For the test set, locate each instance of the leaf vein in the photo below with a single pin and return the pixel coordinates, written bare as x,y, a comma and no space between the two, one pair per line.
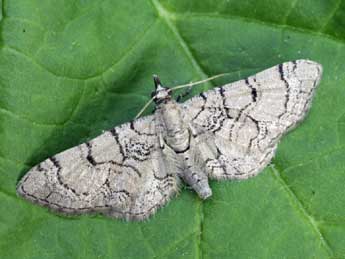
292,7
315,158
171,247
302,208
125,54
167,18
263,23
330,17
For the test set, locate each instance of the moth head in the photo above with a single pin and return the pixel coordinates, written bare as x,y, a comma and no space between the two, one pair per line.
161,93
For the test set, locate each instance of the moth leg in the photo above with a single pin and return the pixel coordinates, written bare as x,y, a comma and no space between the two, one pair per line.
184,94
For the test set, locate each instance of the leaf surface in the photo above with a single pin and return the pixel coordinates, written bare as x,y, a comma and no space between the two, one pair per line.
70,69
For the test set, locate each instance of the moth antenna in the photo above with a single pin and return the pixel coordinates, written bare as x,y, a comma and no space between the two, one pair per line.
157,82
199,82
144,108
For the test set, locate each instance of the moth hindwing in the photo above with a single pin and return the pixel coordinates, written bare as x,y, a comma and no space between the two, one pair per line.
229,132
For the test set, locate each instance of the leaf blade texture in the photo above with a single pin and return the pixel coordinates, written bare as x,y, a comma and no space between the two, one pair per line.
65,76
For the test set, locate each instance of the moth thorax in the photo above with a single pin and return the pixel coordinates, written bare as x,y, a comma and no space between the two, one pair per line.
172,117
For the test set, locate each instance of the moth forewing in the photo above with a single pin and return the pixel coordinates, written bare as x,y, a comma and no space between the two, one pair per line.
229,132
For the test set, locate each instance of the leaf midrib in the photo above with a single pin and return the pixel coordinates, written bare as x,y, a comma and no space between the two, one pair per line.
166,17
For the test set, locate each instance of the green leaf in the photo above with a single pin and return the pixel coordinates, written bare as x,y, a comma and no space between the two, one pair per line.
69,69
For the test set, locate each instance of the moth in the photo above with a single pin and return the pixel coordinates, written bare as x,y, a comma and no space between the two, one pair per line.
227,133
